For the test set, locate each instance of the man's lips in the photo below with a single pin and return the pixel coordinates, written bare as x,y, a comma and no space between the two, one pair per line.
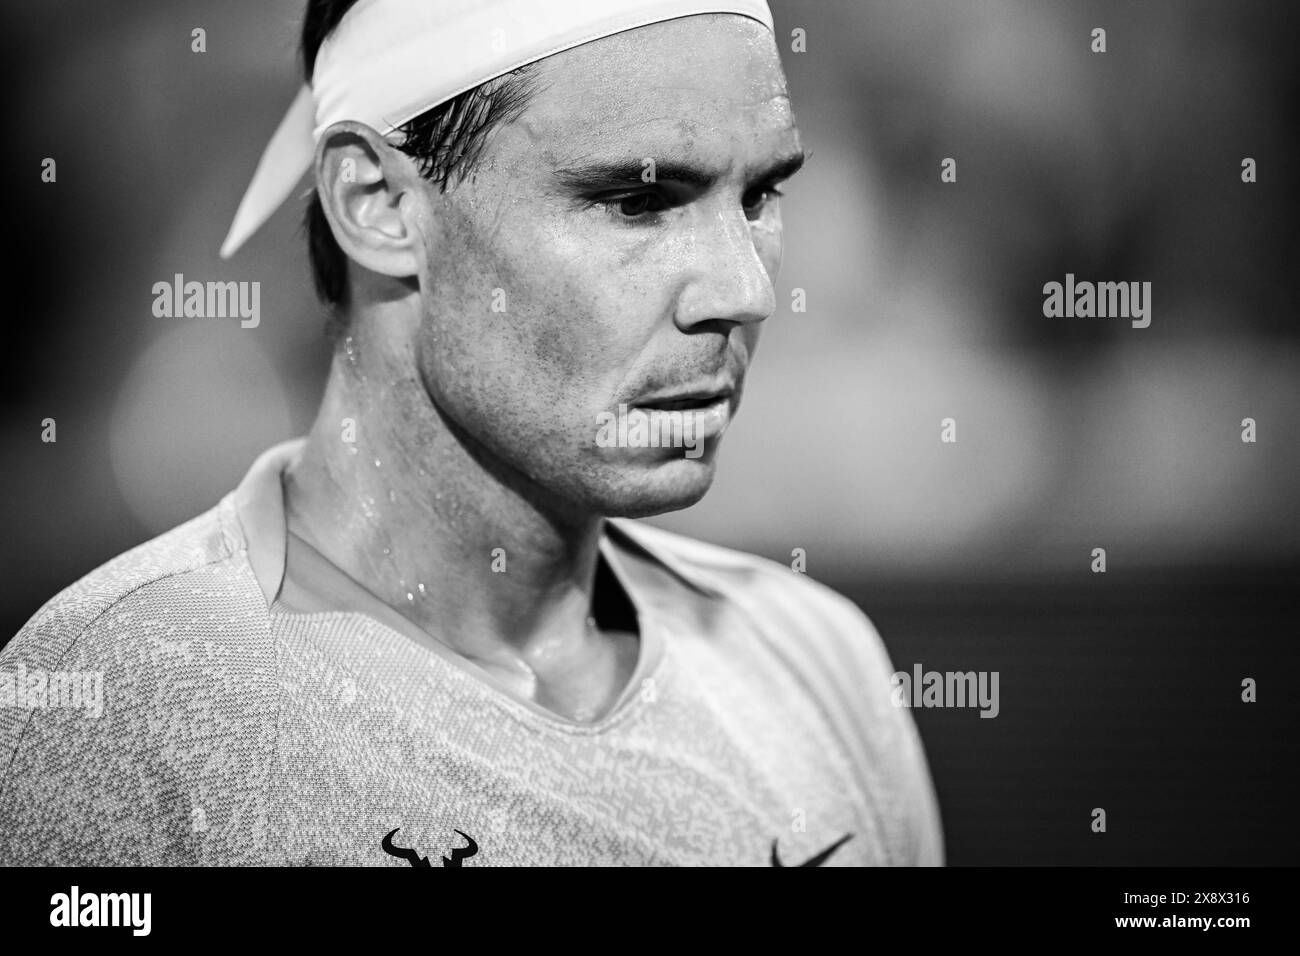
708,408
686,399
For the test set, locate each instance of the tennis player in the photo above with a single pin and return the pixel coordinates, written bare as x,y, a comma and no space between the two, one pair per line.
429,633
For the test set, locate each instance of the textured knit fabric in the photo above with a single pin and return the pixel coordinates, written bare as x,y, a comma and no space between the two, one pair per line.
234,730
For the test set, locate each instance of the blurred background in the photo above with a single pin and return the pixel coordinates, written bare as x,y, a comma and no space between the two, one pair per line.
924,301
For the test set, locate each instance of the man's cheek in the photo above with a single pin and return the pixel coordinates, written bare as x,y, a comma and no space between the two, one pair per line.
567,335
541,375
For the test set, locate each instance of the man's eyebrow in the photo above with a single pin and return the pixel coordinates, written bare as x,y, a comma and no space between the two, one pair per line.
589,177
784,168
595,176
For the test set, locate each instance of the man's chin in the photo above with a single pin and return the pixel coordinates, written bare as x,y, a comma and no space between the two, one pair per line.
669,485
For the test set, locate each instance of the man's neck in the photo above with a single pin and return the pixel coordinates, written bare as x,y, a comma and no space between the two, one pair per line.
389,492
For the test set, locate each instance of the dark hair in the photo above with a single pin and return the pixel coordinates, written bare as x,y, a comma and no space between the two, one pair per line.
445,142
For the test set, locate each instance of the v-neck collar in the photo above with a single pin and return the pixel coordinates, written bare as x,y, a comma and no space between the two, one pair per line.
297,580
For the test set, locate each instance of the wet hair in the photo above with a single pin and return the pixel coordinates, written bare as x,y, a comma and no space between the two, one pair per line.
445,143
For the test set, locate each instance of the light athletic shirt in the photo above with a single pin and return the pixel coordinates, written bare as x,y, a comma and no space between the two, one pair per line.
256,716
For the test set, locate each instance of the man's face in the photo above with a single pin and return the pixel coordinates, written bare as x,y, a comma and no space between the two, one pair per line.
560,284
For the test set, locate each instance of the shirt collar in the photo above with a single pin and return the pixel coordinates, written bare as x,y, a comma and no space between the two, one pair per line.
259,502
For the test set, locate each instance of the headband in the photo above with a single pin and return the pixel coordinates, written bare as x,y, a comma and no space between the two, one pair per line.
388,61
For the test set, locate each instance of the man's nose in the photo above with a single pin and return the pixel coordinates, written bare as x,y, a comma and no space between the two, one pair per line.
727,280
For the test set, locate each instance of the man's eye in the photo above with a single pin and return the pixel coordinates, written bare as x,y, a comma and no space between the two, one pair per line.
756,199
637,204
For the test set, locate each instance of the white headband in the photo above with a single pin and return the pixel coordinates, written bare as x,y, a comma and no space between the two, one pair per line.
388,61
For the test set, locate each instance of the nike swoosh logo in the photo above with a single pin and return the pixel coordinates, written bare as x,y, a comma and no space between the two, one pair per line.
820,858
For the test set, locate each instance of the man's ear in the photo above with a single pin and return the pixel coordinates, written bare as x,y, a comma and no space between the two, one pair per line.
368,189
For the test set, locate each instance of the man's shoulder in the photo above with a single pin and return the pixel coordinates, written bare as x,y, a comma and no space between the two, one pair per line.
182,604
152,573
839,658
138,700
780,599
732,573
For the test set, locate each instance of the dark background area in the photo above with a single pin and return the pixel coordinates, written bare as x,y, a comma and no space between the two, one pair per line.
1121,693
1118,690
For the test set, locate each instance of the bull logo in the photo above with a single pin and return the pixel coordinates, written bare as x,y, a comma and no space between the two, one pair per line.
412,857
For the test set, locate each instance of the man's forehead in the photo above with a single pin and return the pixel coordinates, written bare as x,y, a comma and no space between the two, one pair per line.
707,134
690,82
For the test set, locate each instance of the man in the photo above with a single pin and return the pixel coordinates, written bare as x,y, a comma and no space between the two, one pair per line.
424,634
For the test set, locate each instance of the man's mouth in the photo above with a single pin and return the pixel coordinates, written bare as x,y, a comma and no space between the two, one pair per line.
700,399
686,404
